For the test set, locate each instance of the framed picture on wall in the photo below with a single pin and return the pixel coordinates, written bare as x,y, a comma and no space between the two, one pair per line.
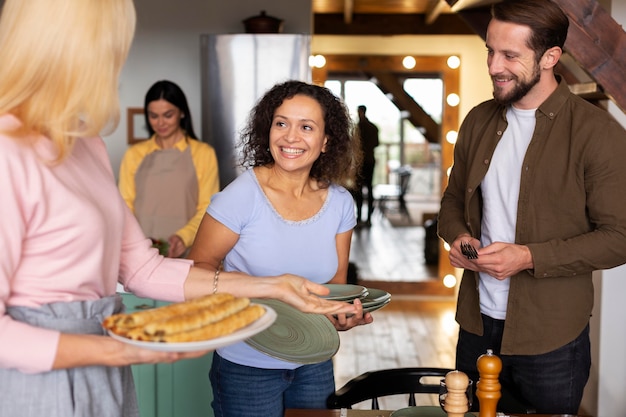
136,124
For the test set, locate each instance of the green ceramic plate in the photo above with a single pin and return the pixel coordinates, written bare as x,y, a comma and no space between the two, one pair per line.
296,336
345,292
375,297
377,306
422,411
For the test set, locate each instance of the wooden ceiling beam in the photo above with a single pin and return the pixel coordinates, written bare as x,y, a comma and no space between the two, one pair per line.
434,10
389,24
598,43
348,10
458,5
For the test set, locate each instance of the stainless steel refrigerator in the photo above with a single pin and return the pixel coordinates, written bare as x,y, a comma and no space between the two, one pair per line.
236,71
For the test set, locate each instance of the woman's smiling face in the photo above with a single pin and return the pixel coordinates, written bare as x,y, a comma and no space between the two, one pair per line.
164,118
297,135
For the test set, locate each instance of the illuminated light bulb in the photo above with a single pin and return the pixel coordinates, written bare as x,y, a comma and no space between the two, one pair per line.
453,99
451,136
454,62
449,281
317,61
408,62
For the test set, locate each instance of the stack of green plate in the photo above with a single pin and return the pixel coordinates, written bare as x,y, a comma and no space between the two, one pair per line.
310,338
372,299
344,292
375,299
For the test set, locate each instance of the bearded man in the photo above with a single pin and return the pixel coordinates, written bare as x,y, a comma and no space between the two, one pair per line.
537,189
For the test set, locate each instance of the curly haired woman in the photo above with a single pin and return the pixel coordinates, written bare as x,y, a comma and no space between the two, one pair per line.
287,212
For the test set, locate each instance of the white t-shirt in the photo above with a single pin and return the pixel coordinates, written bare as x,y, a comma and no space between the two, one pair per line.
500,190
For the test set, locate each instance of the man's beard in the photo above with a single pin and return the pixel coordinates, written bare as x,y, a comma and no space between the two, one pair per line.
519,90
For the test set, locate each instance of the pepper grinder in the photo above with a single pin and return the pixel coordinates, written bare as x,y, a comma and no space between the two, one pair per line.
456,404
488,386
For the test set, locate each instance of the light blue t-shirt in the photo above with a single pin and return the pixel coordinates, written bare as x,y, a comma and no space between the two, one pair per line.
269,245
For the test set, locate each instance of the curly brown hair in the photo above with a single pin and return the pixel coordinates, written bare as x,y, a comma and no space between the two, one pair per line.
340,161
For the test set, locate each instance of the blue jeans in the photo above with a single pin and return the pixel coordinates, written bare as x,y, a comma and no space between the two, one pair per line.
552,383
244,391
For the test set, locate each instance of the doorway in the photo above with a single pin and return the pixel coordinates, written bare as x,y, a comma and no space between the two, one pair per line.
419,123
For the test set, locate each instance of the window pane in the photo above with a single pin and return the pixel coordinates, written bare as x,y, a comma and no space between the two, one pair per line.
400,141
428,93
380,110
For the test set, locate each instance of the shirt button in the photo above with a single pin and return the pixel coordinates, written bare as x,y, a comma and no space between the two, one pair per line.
486,162
499,133
469,190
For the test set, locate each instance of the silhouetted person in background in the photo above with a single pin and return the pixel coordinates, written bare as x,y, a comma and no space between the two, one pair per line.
368,133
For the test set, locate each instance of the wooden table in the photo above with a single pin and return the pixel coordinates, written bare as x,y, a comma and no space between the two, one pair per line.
336,413
374,413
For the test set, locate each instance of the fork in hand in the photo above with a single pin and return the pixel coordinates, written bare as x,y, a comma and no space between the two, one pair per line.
468,250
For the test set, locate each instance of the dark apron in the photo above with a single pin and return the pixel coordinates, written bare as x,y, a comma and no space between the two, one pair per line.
90,391
167,192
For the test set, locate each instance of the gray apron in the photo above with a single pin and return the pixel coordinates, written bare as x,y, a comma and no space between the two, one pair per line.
90,391
167,192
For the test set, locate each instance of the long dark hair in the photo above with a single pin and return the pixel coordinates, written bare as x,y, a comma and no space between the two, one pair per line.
340,160
171,93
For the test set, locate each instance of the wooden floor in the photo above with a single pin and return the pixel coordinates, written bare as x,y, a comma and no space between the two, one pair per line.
408,332
412,330
388,252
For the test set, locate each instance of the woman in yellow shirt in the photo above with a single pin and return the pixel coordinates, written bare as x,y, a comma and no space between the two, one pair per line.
168,180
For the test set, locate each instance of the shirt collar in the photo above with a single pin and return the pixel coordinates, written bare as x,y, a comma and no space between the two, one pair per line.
181,145
551,106
555,102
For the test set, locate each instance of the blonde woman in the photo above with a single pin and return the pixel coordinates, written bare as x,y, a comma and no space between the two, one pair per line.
66,235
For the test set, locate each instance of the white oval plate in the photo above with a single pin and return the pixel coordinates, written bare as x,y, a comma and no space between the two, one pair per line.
250,330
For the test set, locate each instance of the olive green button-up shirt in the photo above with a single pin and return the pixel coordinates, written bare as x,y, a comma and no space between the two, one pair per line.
571,214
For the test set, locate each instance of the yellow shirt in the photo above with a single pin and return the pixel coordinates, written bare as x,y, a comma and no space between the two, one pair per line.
205,163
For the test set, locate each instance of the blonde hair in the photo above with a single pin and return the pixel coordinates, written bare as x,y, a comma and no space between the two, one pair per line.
60,65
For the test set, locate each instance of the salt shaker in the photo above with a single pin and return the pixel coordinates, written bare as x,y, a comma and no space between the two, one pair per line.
456,404
488,386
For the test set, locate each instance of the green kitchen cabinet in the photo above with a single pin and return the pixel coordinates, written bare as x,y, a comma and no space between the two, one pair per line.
180,389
